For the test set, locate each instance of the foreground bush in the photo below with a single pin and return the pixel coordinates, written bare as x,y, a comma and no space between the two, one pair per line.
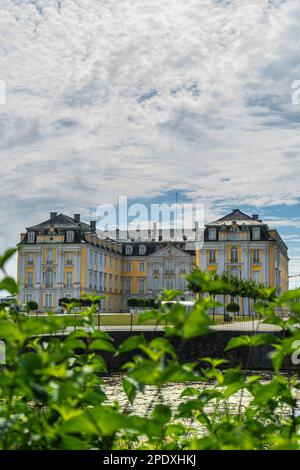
51,395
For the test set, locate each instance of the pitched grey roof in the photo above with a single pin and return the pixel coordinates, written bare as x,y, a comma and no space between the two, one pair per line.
61,221
238,216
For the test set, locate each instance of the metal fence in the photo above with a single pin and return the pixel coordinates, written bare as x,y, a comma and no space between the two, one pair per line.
130,322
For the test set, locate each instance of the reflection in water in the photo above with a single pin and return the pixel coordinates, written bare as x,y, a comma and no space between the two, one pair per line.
169,395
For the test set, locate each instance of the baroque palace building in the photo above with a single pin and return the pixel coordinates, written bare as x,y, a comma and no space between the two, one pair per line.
65,257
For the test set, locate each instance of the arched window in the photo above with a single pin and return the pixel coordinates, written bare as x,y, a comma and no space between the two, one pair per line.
234,255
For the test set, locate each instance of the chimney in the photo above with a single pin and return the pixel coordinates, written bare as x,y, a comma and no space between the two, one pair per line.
160,234
154,231
196,231
117,233
92,225
255,216
77,218
53,215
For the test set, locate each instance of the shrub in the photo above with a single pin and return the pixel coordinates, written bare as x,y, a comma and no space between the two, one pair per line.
32,306
232,307
133,303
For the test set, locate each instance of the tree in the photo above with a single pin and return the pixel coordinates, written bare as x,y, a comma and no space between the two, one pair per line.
232,307
32,306
133,302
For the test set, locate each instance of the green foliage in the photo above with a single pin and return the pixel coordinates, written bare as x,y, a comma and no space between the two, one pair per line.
227,284
141,303
52,395
232,307
32,306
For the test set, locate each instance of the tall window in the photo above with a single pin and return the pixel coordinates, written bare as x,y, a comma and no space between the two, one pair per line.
256,277
69,279
30,259
156,284
142,267
28,298
69,259
29,282
170,284
182,283
128,266
48,300
141,285
234,255
155,266
49,256
170,265
49,278
127,285
212,256
255,256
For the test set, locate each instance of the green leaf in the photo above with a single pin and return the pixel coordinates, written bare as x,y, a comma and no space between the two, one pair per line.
102,345
6,256
101,335
131,344
73,344
9,284
161,414
214,362
131,387
255,340
10,332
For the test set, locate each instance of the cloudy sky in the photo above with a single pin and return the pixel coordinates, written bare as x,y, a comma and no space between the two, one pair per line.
146,98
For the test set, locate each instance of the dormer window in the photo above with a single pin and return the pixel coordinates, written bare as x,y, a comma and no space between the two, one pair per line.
31,237
256,234
212,234
129,249
70,237
142,249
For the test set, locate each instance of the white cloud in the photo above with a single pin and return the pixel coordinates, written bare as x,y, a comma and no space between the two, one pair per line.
139,98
